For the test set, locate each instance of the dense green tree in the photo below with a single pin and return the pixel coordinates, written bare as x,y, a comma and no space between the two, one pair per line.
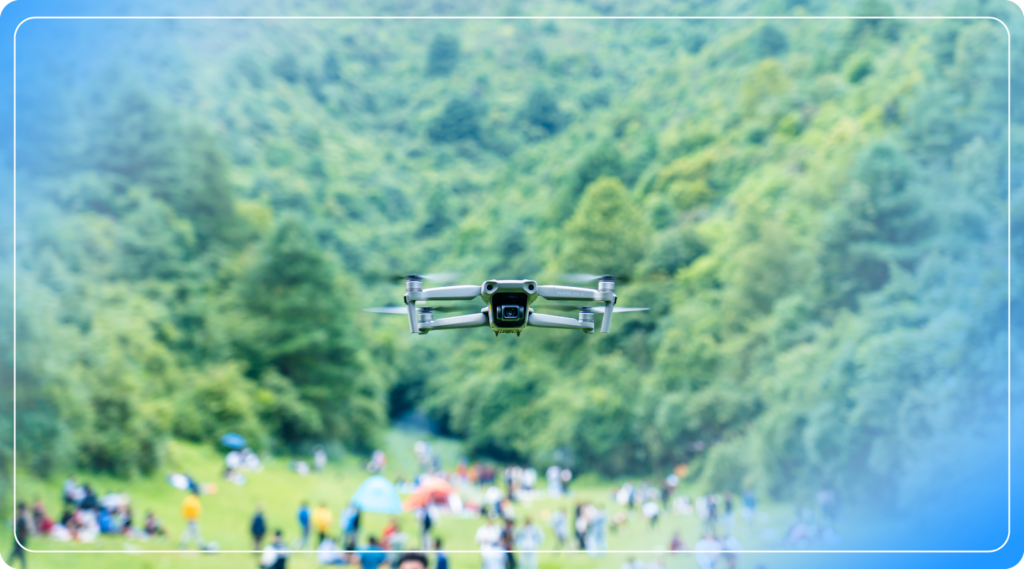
605,234
443,55
459,121
297,324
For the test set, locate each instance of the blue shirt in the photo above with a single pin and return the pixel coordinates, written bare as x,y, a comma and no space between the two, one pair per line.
372,556
442,561
304,516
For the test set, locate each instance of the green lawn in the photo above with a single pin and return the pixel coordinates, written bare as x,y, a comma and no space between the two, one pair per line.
227,513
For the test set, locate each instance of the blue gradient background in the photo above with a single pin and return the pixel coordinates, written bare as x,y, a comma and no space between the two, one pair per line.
966,510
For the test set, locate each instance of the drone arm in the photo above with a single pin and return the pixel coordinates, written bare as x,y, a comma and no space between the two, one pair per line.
606,321
558,292
413,323
549,321
466,321
460,292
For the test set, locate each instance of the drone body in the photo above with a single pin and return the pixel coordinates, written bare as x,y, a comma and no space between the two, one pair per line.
508,308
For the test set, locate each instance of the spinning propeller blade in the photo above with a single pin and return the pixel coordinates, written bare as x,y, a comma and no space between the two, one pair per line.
580,278
437,277
575,308
387,309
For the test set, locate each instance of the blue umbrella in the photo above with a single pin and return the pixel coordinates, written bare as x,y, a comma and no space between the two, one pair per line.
233,440
377,494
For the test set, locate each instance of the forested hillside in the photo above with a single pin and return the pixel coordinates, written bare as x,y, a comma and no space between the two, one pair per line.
815,211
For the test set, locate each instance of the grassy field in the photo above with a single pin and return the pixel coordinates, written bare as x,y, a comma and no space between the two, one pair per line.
227,513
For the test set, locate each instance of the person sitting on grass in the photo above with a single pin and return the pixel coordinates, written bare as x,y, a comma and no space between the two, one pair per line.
327,553
373,555
153,526
274,555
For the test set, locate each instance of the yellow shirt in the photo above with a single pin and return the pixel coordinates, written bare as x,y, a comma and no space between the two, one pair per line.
322,519
191,508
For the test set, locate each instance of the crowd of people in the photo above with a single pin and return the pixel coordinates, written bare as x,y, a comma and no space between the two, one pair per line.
86,515
505,541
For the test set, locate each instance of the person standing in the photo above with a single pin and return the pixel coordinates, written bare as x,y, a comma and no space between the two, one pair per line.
560,525
554,476
489,538
258,528
319,459
303,515
749,503
274,556
351,526
191,509
581,527
707,551
651,511
729,518
508,542
713,512
566,476
442,558
321,520
21,531
373,556
427,522
529,538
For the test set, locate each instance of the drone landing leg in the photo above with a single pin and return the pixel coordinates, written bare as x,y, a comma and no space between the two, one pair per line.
606,322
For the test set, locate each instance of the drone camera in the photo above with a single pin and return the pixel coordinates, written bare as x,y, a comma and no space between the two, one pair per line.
510,312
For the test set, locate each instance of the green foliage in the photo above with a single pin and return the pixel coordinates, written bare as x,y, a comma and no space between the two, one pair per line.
815,224
443,55
295,326
770,41
459,121
858,67
286,66
604,235
542,111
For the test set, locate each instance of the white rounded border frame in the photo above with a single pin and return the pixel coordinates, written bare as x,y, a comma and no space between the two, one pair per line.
1009,274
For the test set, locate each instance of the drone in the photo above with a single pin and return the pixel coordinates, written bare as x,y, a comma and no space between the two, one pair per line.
508,308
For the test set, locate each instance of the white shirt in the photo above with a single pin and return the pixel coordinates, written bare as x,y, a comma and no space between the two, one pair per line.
707,551
529,538
488,536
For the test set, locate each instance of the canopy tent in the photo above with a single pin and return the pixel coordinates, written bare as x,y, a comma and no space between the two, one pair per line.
233,440
377,494
432,489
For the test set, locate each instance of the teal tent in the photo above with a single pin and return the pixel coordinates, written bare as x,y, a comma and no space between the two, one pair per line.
377,494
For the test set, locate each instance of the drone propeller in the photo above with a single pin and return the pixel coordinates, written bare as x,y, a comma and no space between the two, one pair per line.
597,309
403,310
402,277
580,278
438,277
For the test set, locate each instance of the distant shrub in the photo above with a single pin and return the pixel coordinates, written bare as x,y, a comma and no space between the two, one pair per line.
251,70
888,29
542,111
605,160
694,42
443,55
332,69
536,56
286,67
459,121
770,41
596,98
859,67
